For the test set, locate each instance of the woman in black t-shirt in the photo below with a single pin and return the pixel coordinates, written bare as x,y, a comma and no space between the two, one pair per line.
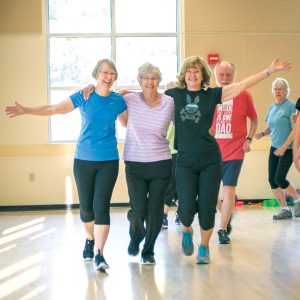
199,168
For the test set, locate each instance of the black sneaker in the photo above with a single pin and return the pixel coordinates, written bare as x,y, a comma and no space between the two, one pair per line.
223,237
283,214
149,260
177,220
100,263
165,222
88,251
134,247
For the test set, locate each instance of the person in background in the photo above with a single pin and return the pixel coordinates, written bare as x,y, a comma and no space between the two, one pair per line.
230,124
279,125
171,194
96,162
199,161
296,153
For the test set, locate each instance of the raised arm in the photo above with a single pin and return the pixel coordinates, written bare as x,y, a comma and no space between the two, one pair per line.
232,90
296,151
63,107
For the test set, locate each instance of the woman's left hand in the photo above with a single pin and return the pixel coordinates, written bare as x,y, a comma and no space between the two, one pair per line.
277,65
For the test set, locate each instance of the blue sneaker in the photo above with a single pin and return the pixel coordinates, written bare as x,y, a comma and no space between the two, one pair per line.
203,255
187,242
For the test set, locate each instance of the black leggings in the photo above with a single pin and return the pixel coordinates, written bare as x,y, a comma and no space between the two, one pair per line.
171,193
95,182
147,184
198,188
278,168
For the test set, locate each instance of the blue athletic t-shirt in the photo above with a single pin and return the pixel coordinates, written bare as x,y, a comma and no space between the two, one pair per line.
97,140
279,122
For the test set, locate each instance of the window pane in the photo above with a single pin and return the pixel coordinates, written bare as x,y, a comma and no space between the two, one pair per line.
138,50
77,16
145,16
72,60
64,128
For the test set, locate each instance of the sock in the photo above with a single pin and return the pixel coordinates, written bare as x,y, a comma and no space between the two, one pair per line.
297,200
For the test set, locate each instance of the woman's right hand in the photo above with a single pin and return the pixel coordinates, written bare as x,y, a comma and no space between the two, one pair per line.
14,111
87,91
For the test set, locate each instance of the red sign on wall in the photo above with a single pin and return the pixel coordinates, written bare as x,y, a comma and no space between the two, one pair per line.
212,58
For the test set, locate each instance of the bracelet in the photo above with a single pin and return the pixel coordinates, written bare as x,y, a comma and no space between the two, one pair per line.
262,133
249,138
268,73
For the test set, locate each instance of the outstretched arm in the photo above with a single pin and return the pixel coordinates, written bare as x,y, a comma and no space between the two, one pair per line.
296,151
232,90
63,107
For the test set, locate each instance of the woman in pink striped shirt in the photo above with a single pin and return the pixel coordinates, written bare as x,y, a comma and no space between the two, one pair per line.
148,160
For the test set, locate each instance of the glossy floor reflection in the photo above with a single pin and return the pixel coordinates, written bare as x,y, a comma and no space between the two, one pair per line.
40,258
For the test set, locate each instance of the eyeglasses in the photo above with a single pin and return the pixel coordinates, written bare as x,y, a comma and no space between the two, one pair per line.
112,74
154,79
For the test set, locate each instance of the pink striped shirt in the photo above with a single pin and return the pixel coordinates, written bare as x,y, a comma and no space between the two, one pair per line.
147,127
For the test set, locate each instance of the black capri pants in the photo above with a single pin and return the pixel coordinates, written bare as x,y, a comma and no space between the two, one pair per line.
147,184
95,183
198,184
171,193
279,167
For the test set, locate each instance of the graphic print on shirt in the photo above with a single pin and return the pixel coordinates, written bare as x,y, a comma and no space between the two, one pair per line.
223,122
191,110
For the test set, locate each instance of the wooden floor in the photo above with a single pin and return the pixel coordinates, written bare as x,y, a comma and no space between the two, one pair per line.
41,258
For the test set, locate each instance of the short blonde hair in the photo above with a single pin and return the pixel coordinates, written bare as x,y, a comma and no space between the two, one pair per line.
99,64
193,62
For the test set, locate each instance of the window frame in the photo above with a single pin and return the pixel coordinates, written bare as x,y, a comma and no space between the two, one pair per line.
113,35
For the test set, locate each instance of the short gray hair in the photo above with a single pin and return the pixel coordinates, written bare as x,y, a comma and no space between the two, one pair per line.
224,62
147,68
283,82
99,64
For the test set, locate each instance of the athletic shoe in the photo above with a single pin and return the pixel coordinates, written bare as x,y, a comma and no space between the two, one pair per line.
203,255
134,247
229,226
99,262
283,214
187,242
223,237
88,251
165,222
297,209
177,220
149,260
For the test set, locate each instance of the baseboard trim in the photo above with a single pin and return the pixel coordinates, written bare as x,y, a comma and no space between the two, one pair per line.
51,207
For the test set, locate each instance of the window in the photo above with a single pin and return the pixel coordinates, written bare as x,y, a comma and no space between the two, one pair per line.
129,32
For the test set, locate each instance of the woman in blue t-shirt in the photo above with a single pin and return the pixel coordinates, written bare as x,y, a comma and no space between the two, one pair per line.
96,162
281,154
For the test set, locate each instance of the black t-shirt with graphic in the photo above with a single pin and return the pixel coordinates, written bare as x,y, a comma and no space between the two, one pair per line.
194,112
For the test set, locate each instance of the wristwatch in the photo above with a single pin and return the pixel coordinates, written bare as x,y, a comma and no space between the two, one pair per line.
249,138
